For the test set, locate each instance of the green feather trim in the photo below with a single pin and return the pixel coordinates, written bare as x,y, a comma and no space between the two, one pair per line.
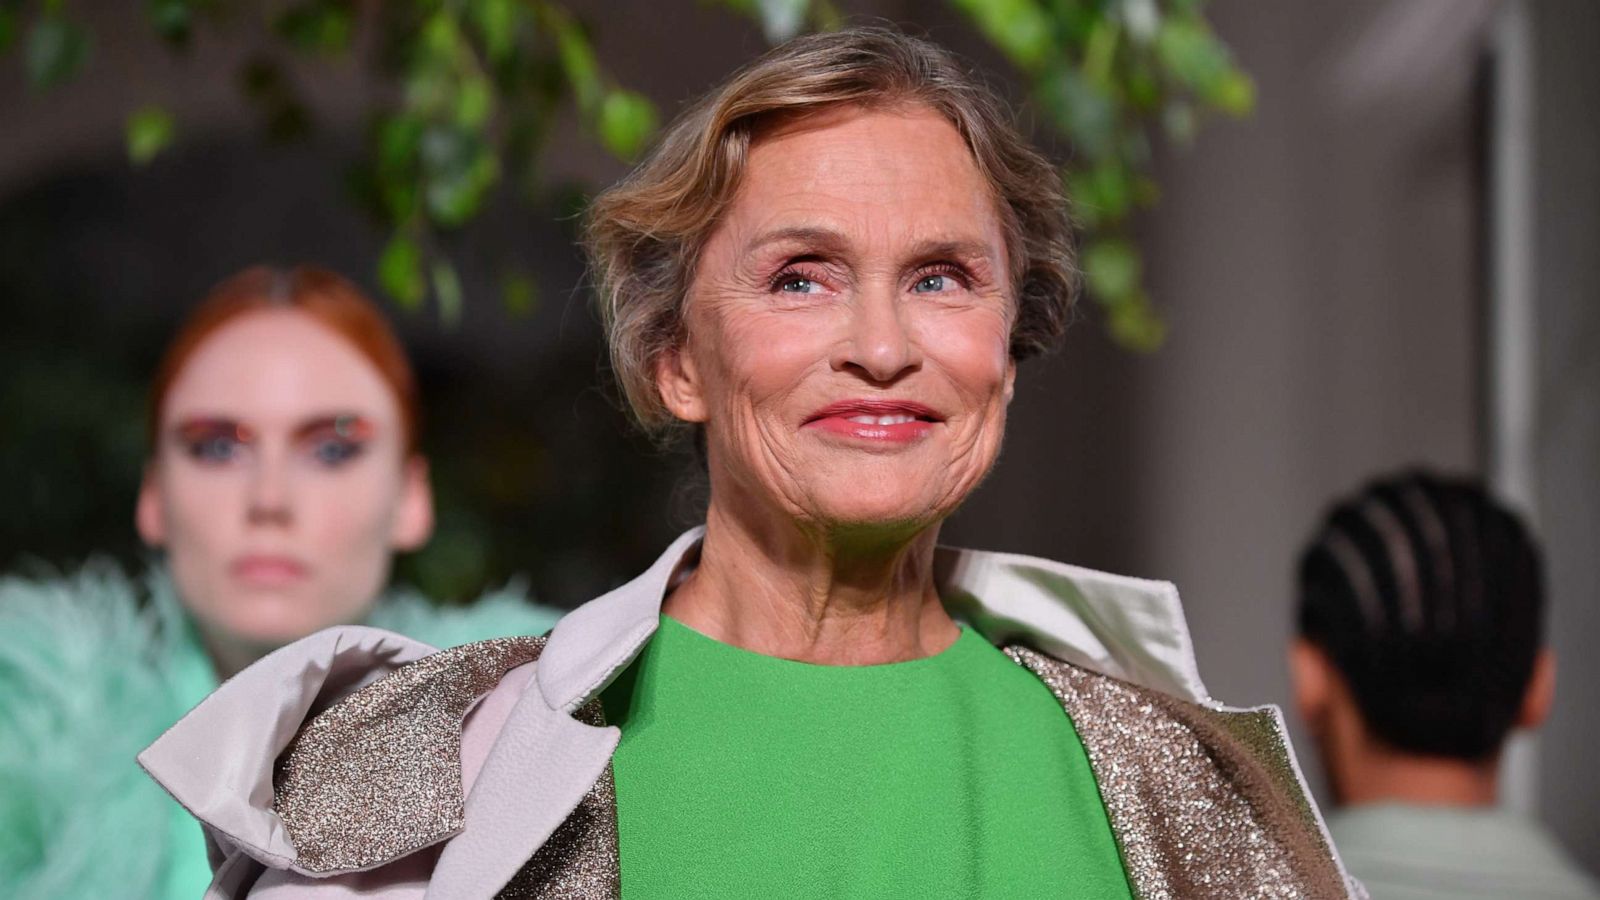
93,667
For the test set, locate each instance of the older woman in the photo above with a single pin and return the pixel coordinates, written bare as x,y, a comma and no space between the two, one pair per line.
828,270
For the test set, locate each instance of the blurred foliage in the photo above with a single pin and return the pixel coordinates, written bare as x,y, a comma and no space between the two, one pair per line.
480,82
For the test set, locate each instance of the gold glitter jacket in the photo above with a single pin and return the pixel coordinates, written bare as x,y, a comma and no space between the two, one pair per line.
360,763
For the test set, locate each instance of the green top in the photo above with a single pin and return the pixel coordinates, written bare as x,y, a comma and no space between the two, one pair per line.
958,775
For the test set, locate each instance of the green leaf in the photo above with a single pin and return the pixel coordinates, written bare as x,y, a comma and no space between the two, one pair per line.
1111,267
459,167
172,19
149,131
1135,325
578,63
1020,28
1233,93
439,41
1101,194
519,294
627,120
1099,52
497,22
447,292
399,137
400,272
57,49
1191,54
474,102
1081,109
323,27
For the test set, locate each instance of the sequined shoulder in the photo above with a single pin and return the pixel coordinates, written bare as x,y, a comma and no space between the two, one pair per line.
377,775
1203,802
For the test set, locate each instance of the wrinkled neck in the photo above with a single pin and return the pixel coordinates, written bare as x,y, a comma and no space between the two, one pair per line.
831,598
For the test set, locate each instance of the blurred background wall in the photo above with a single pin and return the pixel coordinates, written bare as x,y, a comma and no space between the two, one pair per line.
1390,263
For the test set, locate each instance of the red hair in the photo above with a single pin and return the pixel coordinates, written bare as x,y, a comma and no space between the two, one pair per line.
332,300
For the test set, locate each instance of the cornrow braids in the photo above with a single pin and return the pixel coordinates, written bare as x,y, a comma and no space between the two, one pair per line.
1427,595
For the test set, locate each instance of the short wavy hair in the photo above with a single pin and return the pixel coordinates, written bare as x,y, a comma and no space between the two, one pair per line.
644,235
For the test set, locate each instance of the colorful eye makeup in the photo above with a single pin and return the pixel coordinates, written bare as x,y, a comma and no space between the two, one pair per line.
212,441
328,441
335,440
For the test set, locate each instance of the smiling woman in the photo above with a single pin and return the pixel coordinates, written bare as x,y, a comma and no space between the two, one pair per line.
283,475
830,269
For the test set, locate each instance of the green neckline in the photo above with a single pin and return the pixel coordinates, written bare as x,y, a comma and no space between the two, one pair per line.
697,642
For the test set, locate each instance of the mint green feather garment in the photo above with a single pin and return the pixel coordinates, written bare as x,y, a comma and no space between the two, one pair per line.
93,667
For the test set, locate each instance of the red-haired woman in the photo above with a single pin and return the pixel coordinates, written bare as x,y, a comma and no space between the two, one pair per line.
283,475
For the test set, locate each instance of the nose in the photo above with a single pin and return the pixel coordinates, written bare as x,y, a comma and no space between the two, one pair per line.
880,345
268,503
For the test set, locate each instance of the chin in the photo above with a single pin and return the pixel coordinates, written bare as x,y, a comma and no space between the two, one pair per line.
276,621
888,511
885,493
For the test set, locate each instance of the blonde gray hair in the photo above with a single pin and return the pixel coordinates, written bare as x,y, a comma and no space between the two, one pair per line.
644,234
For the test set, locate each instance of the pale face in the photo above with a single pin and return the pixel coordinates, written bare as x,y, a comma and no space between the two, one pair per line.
279,486
849,324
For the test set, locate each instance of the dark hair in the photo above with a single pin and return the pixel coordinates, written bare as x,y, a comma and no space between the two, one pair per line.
1427,596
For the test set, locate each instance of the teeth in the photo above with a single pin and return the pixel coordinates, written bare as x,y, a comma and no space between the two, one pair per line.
883,420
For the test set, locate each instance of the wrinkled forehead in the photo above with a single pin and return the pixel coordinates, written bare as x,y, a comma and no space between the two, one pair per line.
898,173
277,367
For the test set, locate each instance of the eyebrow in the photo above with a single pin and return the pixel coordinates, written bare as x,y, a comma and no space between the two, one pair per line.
359,427
824,238
831,241
183,428
347,425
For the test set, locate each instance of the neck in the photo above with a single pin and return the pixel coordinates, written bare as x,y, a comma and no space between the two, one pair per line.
815,596
230,656
1366,770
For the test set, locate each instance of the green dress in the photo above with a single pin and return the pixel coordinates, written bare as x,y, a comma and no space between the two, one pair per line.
958,775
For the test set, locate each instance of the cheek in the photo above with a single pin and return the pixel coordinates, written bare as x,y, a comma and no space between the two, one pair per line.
351,512
201,508
973,351
758,358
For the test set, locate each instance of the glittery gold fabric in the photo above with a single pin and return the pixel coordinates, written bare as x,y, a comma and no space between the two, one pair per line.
579,861
1204,803
378,775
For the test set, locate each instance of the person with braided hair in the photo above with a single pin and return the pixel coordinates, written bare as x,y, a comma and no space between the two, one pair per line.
1419,650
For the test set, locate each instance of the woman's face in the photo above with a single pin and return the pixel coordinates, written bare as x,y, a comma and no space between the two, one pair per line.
279,484
848,326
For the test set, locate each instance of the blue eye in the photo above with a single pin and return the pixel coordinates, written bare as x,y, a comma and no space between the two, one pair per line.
334,452
798,285
931,284
216,449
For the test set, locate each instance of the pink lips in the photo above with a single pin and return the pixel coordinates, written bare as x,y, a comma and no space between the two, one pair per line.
269,571
878,421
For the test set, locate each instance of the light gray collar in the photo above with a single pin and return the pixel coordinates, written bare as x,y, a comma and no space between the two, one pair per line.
1128,628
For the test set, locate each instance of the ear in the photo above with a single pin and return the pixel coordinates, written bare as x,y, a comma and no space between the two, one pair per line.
678,381
413,521
1541,691
1011,378
1311,675
150,512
